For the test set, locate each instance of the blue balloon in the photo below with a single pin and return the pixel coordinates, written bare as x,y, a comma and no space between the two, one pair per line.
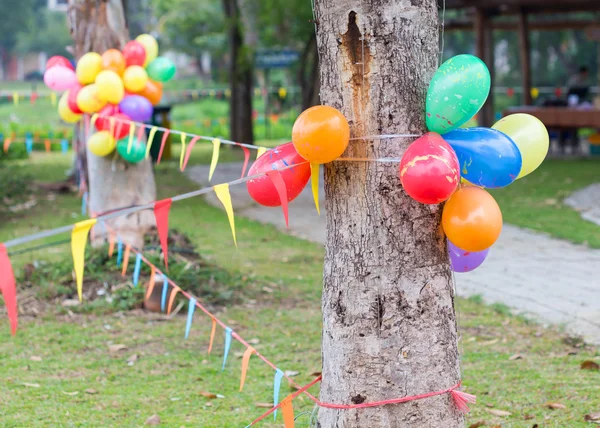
488,158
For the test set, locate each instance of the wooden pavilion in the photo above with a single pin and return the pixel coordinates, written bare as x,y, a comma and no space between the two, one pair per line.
486,15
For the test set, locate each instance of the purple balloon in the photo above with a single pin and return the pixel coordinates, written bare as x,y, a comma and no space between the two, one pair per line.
138,108
465,261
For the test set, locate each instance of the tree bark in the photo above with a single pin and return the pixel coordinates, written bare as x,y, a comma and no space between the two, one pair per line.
96,26
389,327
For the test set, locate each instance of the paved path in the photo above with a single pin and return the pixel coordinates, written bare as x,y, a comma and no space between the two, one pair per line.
550,280
587,202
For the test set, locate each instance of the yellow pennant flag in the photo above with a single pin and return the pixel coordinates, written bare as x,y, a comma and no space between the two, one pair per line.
314,181
215,157
222,191
150,139
131,135
245,361
53,98
261,151
174,292
182,156
79,238
93,120
16,98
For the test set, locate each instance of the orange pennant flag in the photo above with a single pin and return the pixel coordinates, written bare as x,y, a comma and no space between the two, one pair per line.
314,180
245,361
222,191
7,144
47,145
213,330
151,282
79,238
126,260
287,409
174,292
111,245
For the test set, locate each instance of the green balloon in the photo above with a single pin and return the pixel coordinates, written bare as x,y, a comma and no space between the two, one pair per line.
136,154
456,93
161,69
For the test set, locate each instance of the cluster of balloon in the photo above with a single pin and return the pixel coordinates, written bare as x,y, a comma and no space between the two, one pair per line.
120,86
434,166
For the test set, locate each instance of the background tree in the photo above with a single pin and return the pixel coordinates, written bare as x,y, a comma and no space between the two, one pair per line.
389,327
15,16
97,26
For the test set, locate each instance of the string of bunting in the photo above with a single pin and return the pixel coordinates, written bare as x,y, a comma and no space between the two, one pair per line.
29,141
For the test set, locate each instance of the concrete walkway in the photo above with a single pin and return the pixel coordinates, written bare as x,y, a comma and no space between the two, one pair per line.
550,280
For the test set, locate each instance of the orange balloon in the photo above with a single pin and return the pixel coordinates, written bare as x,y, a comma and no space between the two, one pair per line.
152,91
113,60
321,134
472,219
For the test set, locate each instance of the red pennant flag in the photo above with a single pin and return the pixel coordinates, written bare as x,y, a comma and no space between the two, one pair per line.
161,213
8,287
281,188
189,151
162,145
246,159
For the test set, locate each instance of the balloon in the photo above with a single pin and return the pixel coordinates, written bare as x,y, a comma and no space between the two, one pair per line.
72,98
110,86
120,127
472,219
465,261
262,189
152,91
88,67
59,78
102,143
531,137
113,60
138,108
134,53
429,170
65,112
488,158
103,121
135,78
161,69
88,99
457,91
59,60
137,152
321,134
150,46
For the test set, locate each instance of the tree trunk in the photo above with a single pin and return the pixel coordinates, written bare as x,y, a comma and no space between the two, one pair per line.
389,327
98,25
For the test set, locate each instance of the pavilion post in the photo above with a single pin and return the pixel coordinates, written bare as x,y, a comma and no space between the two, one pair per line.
525,54
484,47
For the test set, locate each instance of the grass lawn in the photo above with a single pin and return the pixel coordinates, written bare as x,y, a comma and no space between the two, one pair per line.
73,380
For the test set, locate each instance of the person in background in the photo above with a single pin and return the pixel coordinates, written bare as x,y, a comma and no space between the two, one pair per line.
579,86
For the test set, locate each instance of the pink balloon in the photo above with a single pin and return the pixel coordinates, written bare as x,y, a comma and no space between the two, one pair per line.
59,78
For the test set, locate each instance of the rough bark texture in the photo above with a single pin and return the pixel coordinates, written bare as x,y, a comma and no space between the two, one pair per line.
98,25
389,327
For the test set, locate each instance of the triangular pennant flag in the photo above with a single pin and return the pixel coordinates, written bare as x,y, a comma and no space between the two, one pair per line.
183,137
228,332
126,260
150,140
190,317
162,144
163,299
8,287
131,135
7,144
28,144
215,158
119,251
174,292
245,361
64,146
213,330
78,241
314,181
111,127
111,245
47,145
246,159
53,98
93,120
161,214
276,388
16,98
136,269
151,282
287,409
189,151
261,151
222,191
140,134
281,188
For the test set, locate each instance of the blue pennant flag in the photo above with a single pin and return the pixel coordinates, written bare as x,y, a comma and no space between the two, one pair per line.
276,387
191,310
64,146
28,143
119,251
136,270
227,346
163,300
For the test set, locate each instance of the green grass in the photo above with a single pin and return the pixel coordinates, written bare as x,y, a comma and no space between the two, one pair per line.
170,372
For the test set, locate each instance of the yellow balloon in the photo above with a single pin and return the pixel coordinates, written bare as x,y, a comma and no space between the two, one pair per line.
110,86
531,137
88,99
150,46
135,78
102,143
65,112
88,67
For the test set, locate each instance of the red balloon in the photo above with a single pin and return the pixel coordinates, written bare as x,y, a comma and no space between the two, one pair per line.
134,53
121,122
103,121
59,60
262,189
429,170
72,99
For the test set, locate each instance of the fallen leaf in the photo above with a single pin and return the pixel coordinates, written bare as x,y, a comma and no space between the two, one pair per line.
72,394
220,396
208,404
516,357
31,385
555,406
116,348
254,341
528,417
592,417
478,424
175,398
497,412
291,373
153,420
131,360
590,365
208,395
35,358
264,405
490,342
316,374
91,391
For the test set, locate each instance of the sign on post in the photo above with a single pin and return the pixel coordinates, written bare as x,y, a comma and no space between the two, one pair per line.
276,58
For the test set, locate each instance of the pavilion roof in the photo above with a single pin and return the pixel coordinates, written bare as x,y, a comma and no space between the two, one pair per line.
531,6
